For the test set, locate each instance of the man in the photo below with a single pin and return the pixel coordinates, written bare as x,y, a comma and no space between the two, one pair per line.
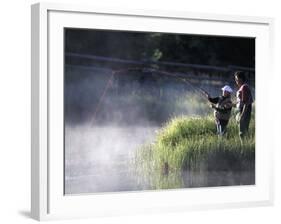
244,103
222,106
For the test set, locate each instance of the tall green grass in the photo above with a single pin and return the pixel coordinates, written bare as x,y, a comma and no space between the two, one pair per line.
191,144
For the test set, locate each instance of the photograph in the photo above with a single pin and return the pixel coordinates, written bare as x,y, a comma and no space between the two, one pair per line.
147,111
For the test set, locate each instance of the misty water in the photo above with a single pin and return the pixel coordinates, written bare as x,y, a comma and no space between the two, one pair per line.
98,159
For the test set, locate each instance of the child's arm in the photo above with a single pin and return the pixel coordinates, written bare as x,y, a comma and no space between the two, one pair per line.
209,98
214,100
223,108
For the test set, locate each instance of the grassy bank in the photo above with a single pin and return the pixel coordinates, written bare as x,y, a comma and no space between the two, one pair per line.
191,144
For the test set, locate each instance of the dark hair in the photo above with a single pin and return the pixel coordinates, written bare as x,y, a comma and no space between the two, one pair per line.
240,75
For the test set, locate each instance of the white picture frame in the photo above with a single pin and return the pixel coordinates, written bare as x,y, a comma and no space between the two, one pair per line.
47,198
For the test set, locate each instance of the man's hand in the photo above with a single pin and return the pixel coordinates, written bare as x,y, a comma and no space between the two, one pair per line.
238,117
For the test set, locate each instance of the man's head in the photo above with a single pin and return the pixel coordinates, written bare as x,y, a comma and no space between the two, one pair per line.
240,78
226,91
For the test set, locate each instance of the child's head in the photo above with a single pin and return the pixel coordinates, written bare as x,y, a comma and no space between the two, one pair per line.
226,91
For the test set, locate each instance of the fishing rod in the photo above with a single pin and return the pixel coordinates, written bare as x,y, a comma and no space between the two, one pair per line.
198,91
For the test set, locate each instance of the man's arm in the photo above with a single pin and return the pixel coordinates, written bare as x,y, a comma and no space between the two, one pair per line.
245,94
243,110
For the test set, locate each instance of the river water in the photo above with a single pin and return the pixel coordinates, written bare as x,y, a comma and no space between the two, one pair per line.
99,159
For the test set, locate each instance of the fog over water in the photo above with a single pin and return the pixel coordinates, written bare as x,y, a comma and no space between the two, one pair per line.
100,143
98,159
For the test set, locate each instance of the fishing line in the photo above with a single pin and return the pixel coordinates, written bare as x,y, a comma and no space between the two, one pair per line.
197,90
180,77
109,82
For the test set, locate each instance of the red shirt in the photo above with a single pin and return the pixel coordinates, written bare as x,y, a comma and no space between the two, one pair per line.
244,94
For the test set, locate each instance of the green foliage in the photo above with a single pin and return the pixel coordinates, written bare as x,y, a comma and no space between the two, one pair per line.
191,144
157,54
210,50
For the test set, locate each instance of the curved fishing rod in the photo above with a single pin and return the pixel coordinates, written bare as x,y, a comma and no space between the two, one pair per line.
180,77
198,91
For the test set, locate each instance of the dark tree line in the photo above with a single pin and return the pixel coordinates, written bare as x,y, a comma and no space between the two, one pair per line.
192,49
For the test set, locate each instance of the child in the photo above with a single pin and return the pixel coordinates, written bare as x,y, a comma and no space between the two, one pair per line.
222,106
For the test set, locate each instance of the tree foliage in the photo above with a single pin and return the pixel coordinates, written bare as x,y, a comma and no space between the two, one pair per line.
144,46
